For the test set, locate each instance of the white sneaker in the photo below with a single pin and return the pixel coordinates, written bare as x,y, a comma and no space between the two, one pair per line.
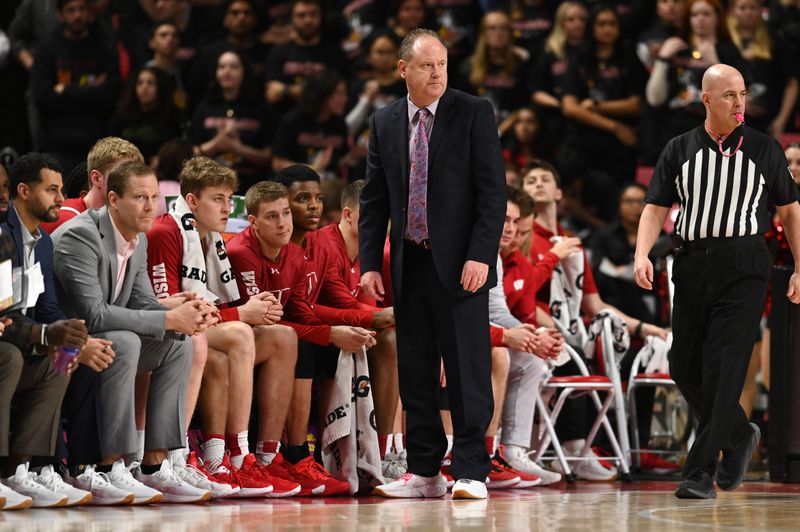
517,457
167,481
391,467
411,486
196,478
121,477
98,484
590,470
52,481
24,483
403,458
465,488
13,500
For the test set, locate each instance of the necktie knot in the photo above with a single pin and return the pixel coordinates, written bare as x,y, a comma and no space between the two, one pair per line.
422,114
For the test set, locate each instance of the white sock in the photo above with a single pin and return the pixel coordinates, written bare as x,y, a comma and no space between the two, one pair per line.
140,450
398,443
449,444
239,448
213,452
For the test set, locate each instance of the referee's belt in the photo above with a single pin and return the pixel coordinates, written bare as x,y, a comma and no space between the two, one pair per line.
425,244
680,245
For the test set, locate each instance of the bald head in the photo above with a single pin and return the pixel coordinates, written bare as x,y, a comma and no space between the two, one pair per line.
721,75
724,96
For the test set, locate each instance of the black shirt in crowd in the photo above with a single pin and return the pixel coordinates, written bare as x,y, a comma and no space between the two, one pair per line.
722,191
531,25
301,138
292,63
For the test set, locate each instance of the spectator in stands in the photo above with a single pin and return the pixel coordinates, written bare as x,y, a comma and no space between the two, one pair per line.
232,125
670,17
101,276
497,70
167,166
241,23
316,133
224,356
675,81
265,259
784,21
164,42
74,82
146,115
551,66
772,94
601,102
361,18
289,65
792,153
522,138
531,22
106,154
406,16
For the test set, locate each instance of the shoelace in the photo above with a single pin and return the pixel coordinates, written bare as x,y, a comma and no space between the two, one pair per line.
28,480
95,476
194,476
313,470
125,475
52,481
170,476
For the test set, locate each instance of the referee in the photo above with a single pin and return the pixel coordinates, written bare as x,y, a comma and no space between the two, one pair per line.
722,175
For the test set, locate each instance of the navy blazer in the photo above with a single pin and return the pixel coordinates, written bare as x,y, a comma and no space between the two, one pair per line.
466,189
46,309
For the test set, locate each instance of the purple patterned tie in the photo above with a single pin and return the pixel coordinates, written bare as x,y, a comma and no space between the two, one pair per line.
417,227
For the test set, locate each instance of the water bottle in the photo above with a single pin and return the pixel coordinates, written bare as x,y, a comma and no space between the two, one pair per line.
63,358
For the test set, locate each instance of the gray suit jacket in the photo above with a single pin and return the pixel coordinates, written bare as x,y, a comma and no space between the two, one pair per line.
85,265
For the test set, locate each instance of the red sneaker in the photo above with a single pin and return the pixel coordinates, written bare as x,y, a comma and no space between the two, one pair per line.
448,478
282,469
527,480
309,469
253,484
653,463
220,489
500,478
280,487
225,473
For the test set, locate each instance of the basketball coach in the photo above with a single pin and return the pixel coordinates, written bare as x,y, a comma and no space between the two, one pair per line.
435,170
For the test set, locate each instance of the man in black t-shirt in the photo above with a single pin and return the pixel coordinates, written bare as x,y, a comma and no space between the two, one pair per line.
288,65
722,175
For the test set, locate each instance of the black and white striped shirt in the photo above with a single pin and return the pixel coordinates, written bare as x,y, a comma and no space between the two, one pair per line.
722,196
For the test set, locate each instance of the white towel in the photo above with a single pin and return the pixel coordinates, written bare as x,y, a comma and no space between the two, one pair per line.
350,438
209,275
655,352
619,331
566,294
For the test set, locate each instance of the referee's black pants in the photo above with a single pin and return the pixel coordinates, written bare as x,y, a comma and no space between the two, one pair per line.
720,289
433,325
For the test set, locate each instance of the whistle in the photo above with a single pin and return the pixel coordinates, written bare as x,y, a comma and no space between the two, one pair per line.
740,118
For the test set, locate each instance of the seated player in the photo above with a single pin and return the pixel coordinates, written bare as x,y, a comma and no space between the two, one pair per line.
265,260
186,253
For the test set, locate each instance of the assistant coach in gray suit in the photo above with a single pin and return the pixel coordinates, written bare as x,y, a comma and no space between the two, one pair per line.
101,273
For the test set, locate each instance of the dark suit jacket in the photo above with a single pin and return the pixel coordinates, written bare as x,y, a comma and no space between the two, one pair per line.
466,189
46,309
19,332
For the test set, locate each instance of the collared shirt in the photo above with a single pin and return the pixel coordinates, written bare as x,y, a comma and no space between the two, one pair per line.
413,122
125,249
29,245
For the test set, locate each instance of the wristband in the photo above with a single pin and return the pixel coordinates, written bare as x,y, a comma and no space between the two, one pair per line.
43,339
662,59
638,330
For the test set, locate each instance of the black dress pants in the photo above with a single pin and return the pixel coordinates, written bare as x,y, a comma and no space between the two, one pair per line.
720,289
433,325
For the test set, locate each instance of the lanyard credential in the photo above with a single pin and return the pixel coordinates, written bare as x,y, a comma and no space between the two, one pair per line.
721,138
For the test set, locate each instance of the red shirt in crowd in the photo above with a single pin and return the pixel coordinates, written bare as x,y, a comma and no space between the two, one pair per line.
286,278
70,208
165,259
540,245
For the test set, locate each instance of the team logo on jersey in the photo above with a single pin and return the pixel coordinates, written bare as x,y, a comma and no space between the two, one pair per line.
518,284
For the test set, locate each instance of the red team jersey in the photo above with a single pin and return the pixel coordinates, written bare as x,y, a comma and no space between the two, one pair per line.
165,259
341,271
540,245
522,280
286,278
70,208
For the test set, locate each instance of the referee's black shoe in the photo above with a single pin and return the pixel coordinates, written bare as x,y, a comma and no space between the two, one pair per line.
698,486
734,463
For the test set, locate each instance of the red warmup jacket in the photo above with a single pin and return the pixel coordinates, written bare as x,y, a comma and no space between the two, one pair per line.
522,280
540,246
164,261
341,272
285,278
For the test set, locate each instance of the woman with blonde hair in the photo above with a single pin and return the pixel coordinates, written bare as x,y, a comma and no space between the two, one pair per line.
497,70
772,93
